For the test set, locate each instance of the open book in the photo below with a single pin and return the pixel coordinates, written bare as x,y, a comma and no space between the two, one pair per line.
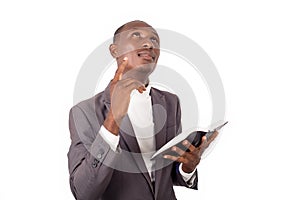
194,137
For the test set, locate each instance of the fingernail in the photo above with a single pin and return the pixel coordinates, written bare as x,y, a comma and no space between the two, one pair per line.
174,148
184,142
165,156
125,58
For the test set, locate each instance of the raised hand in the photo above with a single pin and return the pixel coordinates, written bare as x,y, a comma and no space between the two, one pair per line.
120,90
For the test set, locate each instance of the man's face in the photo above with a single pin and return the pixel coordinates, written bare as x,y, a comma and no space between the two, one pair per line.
140,44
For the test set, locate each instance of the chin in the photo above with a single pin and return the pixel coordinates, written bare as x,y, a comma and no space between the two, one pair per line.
146,68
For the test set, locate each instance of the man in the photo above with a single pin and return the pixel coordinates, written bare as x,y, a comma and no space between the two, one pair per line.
115,132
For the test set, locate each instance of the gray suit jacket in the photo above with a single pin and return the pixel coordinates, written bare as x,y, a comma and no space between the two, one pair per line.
96,171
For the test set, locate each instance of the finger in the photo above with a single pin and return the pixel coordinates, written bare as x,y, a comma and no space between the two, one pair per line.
178,150
126,86
176,158
141,89
136,85
126,82
187,144
120,70
130,84
203,143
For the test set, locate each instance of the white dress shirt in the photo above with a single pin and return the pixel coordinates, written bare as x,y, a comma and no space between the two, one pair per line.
140,115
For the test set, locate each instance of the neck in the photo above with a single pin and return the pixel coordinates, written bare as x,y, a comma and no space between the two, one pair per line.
138,76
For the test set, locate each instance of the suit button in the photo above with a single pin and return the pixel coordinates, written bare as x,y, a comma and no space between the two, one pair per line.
95,163
99,156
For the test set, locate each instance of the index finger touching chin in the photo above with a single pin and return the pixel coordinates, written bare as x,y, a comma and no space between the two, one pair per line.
120,70
122,67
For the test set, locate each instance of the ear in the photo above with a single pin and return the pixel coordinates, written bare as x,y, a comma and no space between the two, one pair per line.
113,50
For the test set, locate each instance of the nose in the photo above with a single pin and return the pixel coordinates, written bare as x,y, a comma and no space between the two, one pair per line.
147,44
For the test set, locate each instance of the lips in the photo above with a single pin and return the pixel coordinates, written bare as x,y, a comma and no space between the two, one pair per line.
147,55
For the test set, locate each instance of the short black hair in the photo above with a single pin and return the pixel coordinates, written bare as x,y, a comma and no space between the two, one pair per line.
119,30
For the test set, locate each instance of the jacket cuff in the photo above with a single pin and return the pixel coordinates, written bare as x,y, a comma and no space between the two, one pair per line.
103,153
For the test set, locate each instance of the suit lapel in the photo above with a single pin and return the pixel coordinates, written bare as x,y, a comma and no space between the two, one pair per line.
127,134
159,119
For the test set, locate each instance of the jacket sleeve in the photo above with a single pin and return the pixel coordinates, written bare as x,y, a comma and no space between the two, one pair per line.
176,175
90,158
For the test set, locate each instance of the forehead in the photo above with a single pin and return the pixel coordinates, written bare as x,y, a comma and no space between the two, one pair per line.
138,26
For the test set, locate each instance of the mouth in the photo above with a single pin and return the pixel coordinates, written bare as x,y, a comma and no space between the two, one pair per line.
146,55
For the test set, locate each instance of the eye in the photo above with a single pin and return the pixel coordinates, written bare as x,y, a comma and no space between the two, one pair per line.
136,34
154,39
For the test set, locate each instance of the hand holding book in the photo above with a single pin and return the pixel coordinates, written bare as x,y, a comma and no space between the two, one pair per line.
194,137
189,151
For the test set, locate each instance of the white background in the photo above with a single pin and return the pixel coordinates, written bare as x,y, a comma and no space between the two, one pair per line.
254,44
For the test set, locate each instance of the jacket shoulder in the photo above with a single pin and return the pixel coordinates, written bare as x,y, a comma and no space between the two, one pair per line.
91,102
